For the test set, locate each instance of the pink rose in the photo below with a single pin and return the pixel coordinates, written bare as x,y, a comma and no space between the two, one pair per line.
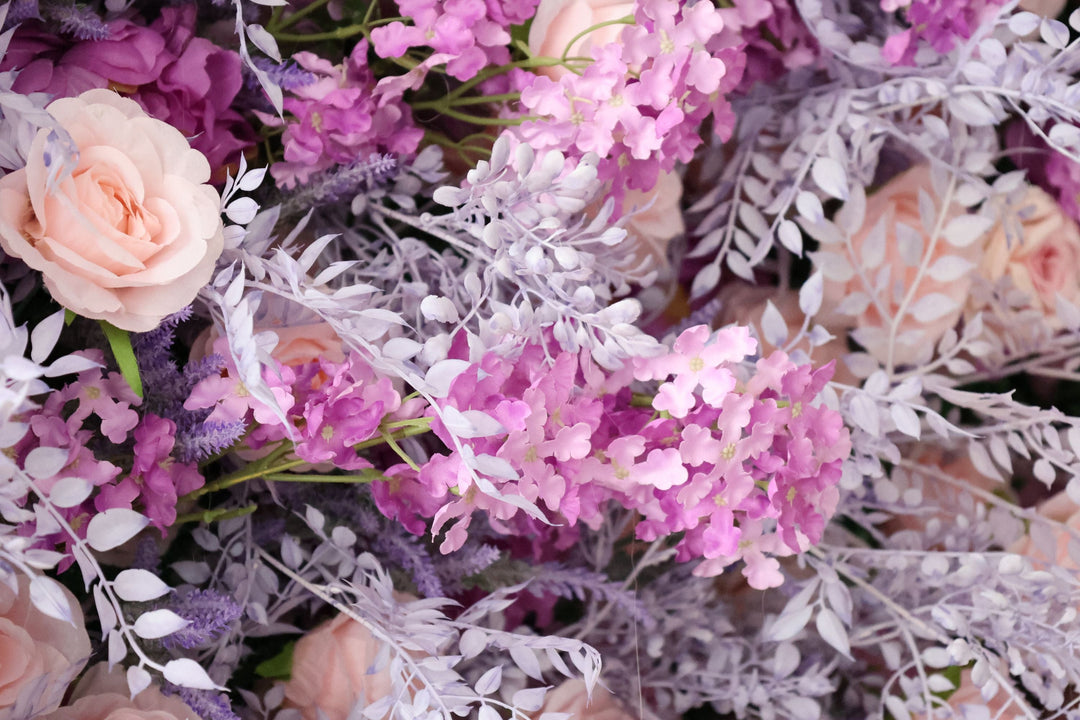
1045,262
1061,509
558,22
570,697
133,233
104,695
332,669
39,655
897,203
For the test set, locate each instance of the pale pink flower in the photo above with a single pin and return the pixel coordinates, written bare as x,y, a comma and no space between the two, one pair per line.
133,233
39,655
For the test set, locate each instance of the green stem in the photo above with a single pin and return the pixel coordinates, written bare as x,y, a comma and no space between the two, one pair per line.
209,516
527,63
478,120
341,33
276,24
624,20
364,476
441,103
389,440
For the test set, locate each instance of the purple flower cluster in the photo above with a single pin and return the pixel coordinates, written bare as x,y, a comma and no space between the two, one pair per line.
469,34
746,471
775,36
641,101
937,23
126,456
184,80
340,118
330,407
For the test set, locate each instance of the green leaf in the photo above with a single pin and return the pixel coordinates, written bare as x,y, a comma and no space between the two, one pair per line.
120,344
69,317
278,667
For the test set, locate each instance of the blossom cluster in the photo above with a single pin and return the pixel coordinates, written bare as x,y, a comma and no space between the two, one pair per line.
635,103
745,469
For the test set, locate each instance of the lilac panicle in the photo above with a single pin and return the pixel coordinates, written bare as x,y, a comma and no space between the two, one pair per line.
21,10
208,613
207,704
288,75
168,387
341,183
78,21
199,440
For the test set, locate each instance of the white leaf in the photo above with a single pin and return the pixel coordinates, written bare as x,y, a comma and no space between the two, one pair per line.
809,206
472,642
138,680
864,412
966,229
442,374
45,462
773,326
70,491
490,681
439,309
106,613
811,294
242,210
897,708
833,632
471,423
971,110
1024,23
789,625
980,458
158,623
188,673
950,268
907,421
1054,33
264,41
488,713
705,280
44,336
117,648
1044,471
114,527
933,306
830,177
790,236
49,597
786,660
526,661
139,585
252,179
529,699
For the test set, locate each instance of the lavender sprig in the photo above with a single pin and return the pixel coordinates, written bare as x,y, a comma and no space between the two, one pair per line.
78,21
208,612
341,183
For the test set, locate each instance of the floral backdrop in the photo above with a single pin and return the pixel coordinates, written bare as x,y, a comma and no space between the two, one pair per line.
539,359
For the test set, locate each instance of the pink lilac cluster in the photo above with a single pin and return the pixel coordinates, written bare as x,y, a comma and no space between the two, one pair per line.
746,469
775,36
640,102
184,80
467,34
126,455
938,23
329,407
340,117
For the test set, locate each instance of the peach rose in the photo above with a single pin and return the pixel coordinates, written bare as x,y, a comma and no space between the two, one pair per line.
133,233
1045,262
570,697
898,203
332,668
39,655
558,22
104,695
655,219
